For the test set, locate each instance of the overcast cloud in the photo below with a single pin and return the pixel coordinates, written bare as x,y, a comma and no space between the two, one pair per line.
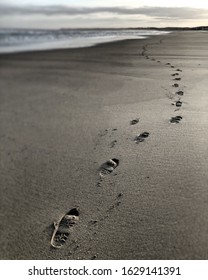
60,15
166,12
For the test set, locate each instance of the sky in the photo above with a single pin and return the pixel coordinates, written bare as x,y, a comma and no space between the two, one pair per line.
54,14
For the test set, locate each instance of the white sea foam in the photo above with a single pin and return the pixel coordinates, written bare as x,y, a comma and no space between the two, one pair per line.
18,40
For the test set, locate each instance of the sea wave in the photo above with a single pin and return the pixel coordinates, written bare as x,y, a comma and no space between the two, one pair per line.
17,40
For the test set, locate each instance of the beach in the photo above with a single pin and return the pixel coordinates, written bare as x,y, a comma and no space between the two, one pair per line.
64,113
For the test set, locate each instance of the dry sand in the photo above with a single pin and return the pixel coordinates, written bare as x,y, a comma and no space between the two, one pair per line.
64,113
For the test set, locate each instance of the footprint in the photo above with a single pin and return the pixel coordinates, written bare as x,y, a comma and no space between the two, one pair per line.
178,104
175,85
179,70
175,74
176,119
120,195
167,63
62,228
107,167
141,137
180,92
113,143
177,79
172,66
135,121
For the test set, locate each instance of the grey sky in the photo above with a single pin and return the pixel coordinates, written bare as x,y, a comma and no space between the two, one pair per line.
28,15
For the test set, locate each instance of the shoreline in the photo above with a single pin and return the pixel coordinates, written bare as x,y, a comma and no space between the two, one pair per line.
59,39
64,113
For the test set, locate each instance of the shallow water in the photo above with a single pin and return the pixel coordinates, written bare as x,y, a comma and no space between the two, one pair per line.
17,40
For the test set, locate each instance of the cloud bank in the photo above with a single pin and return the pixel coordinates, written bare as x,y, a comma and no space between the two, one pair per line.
155,12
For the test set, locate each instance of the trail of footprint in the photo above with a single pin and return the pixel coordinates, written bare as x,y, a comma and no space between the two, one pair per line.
135,121
62,228
178,103
180,92
107,167
176,119
175,74
175,85
141,137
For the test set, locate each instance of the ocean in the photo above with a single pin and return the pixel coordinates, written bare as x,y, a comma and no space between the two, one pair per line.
19,40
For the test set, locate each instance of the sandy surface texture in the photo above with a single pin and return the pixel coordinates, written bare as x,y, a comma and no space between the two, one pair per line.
110,143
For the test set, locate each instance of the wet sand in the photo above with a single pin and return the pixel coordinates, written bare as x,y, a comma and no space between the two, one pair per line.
64,113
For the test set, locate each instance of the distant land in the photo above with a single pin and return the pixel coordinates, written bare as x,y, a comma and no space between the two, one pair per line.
176,28
144,28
